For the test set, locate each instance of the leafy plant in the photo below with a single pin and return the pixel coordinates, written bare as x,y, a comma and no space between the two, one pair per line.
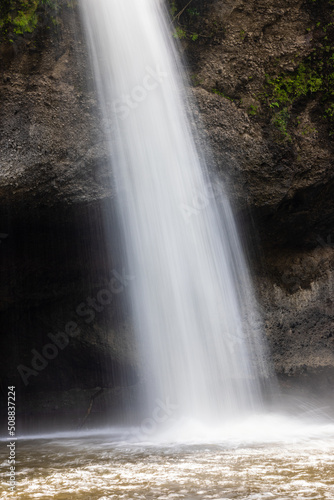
284,89
180,33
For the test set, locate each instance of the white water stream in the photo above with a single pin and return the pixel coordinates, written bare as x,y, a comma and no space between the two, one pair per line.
191,295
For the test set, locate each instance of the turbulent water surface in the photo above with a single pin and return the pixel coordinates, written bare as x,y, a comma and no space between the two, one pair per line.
262,458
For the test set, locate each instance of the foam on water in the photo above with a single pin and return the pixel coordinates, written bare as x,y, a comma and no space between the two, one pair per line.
257,429
262,457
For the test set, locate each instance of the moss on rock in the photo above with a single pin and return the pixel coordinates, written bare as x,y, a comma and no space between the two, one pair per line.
313,78
23,17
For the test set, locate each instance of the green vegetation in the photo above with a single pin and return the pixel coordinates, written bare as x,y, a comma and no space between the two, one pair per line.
195,80
309,130
182,34
187,20
20,17
253,110
281,120
179,33
312,79
218,92
192,12
286,88
173,8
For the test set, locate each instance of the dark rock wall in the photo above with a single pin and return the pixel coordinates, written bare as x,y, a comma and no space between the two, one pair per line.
56,213
281,185
57,198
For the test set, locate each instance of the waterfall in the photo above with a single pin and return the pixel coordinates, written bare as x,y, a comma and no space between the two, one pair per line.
191,297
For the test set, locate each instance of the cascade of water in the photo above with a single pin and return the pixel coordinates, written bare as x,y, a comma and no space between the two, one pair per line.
191,297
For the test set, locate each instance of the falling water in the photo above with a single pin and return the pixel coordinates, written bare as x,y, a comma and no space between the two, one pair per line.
191,298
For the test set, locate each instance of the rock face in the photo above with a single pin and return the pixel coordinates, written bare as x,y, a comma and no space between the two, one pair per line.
59,268
58,261
281,185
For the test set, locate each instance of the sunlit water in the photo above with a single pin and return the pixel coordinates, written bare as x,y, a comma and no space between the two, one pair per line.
263,458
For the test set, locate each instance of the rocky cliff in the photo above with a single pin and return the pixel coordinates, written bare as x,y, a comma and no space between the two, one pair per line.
262,76
265,107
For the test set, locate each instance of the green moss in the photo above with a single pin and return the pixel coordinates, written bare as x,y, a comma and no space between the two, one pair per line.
218,92
313,78
280,121
26,19
253,110
20,17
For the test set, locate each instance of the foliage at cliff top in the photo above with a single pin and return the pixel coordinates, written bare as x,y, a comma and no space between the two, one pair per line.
21,17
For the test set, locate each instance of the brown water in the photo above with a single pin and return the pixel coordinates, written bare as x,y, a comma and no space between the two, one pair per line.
277,459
